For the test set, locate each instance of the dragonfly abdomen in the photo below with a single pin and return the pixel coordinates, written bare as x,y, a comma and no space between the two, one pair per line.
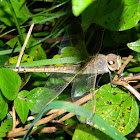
59,69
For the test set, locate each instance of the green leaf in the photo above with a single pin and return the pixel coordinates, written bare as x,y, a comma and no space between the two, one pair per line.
118,107
135,46
70,107
2,44
70,121
22,14
84,131
3,107
12,42
21,109
114,15
25,58
39,18
3,59
78,6
23,93
137,57
6,126
56,81
9,83
37,52
2,134
136,69
38,98
69,52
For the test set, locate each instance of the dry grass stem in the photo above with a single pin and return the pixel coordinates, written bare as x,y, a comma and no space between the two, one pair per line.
14,117
132,60
24,45
123,66
34,131
132,90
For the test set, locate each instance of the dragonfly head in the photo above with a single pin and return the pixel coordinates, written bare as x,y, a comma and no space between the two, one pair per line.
113,62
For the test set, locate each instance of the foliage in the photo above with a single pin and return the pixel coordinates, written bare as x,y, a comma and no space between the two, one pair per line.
78,29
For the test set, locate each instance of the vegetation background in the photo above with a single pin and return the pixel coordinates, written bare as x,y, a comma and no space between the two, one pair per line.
76,29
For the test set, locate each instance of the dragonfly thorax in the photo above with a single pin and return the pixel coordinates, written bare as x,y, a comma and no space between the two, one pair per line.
97,65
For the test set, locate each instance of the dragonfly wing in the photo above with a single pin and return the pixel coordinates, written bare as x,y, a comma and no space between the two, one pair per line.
84,83
59,81
73,44
54,86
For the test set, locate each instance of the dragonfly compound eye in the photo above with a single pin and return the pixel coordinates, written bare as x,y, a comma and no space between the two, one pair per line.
113,62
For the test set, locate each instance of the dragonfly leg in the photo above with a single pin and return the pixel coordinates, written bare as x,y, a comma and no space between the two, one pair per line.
111,77
98,80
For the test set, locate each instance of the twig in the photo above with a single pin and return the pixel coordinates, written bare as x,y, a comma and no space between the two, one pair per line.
132,60
48,113
128,87
137,86
34,131
14,116
65,129
123,66
132,90
135,135
24,45
67,116
132,78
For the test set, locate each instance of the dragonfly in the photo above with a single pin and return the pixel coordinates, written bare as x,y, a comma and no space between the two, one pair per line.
82,76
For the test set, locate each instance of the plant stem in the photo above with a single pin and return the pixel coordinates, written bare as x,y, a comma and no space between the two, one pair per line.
21,40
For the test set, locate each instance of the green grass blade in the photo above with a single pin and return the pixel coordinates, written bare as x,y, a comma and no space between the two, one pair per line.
16,21
70,107
65,60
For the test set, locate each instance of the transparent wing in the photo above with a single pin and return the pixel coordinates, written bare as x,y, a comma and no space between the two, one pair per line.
55,86
58,81
73,42
84,83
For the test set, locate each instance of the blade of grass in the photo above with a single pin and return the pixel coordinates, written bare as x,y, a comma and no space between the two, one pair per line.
65,60
53,7
70,107
16,22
